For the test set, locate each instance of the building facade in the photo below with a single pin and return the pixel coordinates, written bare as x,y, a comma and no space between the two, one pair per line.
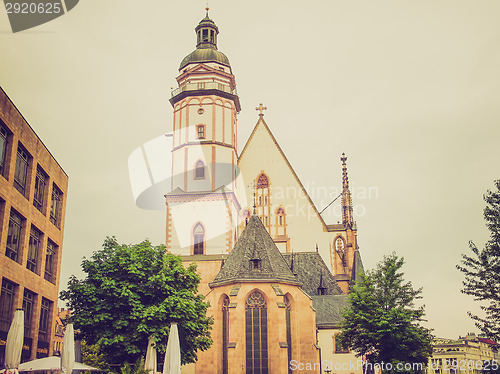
275,273
33,189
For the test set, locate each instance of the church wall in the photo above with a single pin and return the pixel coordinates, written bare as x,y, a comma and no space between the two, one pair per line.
303,328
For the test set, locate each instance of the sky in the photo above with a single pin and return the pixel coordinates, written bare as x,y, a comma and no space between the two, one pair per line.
409,90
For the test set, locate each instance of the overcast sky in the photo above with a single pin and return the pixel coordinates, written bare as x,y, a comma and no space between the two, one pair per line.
409,90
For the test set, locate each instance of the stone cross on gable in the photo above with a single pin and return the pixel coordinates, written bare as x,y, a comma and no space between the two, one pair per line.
261,108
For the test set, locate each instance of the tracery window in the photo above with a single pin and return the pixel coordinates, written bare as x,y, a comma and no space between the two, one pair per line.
263,200
280,221
199,172
256,334
225,334
340,248
199,239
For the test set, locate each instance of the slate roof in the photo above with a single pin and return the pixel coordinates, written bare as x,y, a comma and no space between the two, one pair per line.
255,244
329,310
357,268
312,271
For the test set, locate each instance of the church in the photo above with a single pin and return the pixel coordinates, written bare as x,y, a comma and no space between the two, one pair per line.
275,273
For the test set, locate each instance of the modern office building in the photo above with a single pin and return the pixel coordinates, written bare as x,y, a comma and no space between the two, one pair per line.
33,190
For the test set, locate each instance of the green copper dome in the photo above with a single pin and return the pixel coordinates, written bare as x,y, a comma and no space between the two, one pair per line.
206,45
205,55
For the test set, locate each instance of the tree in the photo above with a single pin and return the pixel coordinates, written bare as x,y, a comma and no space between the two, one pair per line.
382,322
482,269
132,292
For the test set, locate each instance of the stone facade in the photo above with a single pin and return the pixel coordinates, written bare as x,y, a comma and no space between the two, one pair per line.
33,189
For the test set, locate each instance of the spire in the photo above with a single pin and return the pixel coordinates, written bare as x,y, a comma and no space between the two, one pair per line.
206,32
347,216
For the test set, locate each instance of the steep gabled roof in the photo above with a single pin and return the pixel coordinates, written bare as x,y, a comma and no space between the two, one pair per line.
261,122
329,310
312,271
255,246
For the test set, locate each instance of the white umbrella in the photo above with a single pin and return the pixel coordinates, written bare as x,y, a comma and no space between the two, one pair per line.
68,351
150,364
51,363
172,363
14,346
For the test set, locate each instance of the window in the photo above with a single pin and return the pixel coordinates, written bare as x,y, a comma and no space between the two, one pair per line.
288,311
33,249
200,129
44,330
7,304
199,239
50,259
340,248
55,209
13,236
339,348
263,200
21,174
28,301
39,199
199,171
3,148
225,334
256,334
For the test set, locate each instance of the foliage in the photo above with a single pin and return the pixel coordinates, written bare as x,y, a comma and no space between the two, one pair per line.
482,269
382,321
132,292
93,357
138,368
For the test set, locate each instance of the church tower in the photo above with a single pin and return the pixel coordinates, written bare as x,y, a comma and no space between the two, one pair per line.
202,209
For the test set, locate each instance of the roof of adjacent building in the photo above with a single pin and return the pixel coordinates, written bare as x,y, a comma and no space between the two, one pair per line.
357,268
312,272
329,310
255,246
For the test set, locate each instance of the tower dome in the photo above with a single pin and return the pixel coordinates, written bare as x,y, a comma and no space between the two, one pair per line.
206,45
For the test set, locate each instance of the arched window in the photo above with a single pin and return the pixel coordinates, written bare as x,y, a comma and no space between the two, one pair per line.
263,200
340,248
280,221
199,239
256,334
199,171
288,330
225,334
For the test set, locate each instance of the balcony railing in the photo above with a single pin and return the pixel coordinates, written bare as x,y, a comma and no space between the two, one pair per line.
204,86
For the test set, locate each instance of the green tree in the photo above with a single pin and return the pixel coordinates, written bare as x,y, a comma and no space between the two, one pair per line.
382,322
482,269
132,292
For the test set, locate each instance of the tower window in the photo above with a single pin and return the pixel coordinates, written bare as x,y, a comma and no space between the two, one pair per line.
199,239
200,130
263,200
256,334
199,170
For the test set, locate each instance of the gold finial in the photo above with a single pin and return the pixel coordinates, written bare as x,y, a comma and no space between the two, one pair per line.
207,9
261,109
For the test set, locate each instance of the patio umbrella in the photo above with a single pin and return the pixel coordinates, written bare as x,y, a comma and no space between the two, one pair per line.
172,363
51,363
68,351
14,345
150,364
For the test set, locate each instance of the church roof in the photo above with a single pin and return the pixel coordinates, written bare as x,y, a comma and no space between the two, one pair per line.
311,270
329,310
357,268
255,257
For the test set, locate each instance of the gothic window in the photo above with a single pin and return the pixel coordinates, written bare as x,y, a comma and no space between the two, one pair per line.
288,331
199,239
200,129
280,221
199,170
263,200
225,334
21,173
13,236
40,182
340,248
33,249
256,334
